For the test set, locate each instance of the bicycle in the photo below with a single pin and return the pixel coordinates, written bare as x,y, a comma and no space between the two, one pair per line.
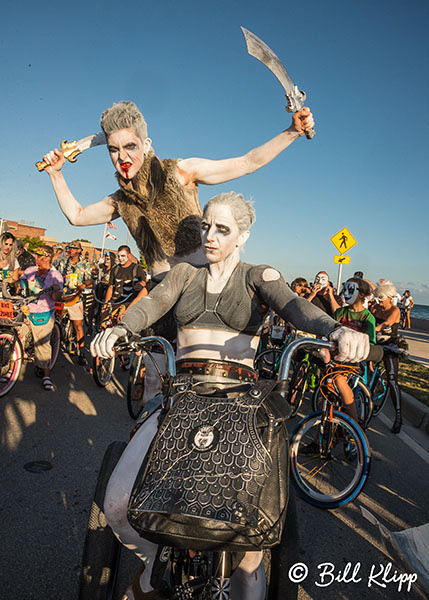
376,381
305,369
330,455
305,374
14,348
361,392
102,368
199,575
270,347
135,386
68,333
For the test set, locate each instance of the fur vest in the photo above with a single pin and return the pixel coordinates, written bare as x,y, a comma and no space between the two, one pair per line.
163,216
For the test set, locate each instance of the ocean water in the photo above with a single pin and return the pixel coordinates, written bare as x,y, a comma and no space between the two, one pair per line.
420,311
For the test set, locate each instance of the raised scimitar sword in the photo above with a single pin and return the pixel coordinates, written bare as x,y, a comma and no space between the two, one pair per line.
259,49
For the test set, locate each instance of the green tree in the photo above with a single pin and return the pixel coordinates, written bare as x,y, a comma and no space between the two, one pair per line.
33,242
143,262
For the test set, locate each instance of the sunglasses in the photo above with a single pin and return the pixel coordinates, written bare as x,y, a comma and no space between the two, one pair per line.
41,253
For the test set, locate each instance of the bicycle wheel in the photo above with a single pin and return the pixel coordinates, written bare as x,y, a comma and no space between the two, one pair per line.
329,459
102,370
363,403
379,390
297,386
135,387
266,363
101,548
55,344
321,393
11,359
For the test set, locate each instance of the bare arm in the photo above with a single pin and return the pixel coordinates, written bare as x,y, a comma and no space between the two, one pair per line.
333,300
210,172
109,294
93,214
392,318
143,292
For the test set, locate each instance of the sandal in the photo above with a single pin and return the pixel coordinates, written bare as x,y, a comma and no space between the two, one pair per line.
47,384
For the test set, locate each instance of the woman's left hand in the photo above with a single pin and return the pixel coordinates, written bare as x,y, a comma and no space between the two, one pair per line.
353,346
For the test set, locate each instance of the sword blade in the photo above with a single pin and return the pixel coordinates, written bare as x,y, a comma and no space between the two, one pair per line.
71,150
97,139
259,49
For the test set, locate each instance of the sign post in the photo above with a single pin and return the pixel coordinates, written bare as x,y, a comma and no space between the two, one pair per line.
343,241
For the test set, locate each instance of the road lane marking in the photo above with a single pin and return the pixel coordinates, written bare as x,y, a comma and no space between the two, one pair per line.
407,440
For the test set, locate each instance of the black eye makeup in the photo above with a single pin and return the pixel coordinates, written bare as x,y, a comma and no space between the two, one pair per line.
221,228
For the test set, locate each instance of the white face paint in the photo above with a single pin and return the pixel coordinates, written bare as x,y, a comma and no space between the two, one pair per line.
350,292
321,279
220,234
127,151
122,257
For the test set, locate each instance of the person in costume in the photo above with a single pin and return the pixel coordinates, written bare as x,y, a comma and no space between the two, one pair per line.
219,319
41,317
322,294
354,315
387,318
158,199
9,265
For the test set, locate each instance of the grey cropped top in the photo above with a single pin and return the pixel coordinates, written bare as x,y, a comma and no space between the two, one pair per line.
237,308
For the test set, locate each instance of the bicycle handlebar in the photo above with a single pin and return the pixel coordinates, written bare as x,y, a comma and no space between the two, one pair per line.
29,299
112,303
140,342
303,344
285,360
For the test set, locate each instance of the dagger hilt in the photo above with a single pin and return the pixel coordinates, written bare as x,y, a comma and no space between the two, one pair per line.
69,150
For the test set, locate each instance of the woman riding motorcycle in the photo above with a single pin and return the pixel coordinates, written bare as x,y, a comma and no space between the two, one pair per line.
219,313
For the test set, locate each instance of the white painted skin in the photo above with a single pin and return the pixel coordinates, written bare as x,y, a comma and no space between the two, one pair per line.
221,240
122,257
125,146
127,151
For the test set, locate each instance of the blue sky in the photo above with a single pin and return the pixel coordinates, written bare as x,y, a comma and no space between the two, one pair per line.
364,66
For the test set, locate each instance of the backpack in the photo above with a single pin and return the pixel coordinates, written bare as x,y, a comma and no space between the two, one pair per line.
216,474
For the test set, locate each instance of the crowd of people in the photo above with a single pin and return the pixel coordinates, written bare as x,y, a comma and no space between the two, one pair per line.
374,309
219,302
67,276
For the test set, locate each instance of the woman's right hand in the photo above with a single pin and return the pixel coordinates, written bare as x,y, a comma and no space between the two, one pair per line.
55,160
102,344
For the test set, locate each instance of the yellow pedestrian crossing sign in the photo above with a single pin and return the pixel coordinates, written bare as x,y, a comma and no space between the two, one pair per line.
343,240
340,259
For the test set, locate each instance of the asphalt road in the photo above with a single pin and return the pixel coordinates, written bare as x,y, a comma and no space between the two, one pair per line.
43,514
